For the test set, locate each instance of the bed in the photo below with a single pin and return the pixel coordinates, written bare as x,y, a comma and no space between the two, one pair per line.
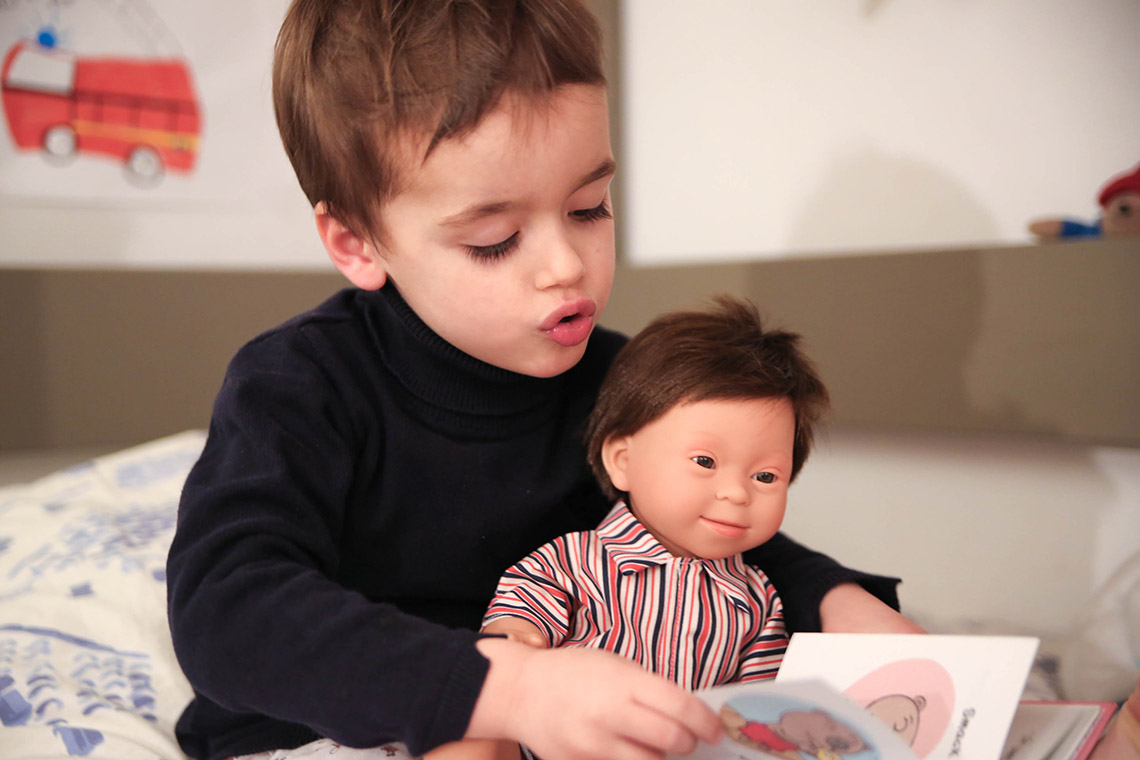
86,663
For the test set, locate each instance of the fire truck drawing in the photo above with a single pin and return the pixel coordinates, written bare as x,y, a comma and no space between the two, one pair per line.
142,111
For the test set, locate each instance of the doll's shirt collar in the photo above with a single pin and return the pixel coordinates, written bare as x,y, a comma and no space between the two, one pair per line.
633,549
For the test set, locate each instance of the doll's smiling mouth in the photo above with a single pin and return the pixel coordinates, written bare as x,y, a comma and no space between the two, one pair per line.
724,528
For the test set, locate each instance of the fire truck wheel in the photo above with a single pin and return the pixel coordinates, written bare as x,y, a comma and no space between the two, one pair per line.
145,163
59,141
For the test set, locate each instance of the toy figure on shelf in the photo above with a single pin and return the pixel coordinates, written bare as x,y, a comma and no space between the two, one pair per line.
1120,213
702,423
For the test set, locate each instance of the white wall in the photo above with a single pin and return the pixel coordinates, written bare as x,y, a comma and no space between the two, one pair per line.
1001,530
771,128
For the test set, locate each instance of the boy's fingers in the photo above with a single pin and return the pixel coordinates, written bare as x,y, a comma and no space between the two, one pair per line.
659,733
683,710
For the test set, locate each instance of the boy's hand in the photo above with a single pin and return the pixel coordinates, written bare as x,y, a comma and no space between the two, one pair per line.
849,608
586,704
517,629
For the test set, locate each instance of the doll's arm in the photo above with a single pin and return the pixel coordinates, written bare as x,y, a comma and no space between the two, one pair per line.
533,599
1056,228
517,629
760,658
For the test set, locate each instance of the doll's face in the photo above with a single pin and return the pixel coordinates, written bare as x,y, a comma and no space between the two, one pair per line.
708,478
1122,215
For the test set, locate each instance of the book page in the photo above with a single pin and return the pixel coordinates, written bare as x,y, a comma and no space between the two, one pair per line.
1056,730
948,697
804,720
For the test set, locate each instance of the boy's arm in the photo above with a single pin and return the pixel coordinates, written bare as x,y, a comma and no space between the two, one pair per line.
583,704
849,608
258,623
806,580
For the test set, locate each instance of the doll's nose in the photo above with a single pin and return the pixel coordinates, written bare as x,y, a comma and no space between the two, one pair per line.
732,491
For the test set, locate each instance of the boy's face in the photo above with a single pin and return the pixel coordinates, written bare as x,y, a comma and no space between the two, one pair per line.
502,240
708,478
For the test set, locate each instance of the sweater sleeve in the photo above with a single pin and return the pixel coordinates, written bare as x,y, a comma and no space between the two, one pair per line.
803,577
259,623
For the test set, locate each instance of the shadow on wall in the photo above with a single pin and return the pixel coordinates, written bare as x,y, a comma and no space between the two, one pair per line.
896,339
916,201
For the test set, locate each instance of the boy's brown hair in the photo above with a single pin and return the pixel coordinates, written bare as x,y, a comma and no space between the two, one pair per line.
356,83
685,356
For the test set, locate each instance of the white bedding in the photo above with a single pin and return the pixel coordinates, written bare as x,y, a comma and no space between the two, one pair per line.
86,664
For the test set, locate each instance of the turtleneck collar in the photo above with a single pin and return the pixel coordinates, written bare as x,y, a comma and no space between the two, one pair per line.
450,387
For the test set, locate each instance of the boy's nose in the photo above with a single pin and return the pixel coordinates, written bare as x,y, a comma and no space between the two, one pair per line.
561,264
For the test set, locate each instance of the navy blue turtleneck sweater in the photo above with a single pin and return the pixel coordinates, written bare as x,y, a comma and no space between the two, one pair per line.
363,486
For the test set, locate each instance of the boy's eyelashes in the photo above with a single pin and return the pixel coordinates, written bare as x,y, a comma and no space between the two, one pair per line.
597,213
495,251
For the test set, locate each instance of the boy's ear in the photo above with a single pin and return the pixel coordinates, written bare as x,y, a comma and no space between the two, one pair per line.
615,458
352,255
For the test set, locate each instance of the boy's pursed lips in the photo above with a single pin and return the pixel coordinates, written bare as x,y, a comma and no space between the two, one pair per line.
570,323
581,307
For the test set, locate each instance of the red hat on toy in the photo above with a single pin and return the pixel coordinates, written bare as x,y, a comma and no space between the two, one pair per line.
1122,183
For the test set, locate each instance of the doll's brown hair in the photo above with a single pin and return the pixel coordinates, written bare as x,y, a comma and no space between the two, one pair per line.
722,353
357,83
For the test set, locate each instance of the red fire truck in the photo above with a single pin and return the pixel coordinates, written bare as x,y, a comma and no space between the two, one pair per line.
141,111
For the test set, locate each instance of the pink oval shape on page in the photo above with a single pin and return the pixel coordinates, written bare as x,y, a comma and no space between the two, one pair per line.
907,690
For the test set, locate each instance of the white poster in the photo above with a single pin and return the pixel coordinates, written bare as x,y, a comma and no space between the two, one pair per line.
141,132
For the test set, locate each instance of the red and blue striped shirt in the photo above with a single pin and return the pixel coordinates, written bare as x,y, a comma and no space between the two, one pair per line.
698,622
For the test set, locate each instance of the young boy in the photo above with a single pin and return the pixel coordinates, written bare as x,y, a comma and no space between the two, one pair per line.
703,422
373,464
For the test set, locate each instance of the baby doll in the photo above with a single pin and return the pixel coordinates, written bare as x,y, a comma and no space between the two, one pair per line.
702,423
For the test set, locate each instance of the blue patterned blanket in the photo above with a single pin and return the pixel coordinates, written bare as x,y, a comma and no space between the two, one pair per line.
86,665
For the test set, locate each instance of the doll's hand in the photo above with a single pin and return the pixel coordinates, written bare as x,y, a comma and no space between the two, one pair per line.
517,629
849,608
586,704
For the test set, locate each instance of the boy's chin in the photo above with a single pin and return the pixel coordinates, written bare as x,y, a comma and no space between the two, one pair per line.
554,363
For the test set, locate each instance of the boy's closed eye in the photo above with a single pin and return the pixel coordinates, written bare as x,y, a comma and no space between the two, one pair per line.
595,214
495,251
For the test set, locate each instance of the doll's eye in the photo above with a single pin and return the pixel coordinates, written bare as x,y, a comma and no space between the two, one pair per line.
706,462
765,477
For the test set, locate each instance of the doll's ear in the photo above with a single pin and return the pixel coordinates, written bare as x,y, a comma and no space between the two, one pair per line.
352,255
615,458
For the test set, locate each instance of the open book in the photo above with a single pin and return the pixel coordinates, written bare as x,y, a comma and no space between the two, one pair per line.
901,697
